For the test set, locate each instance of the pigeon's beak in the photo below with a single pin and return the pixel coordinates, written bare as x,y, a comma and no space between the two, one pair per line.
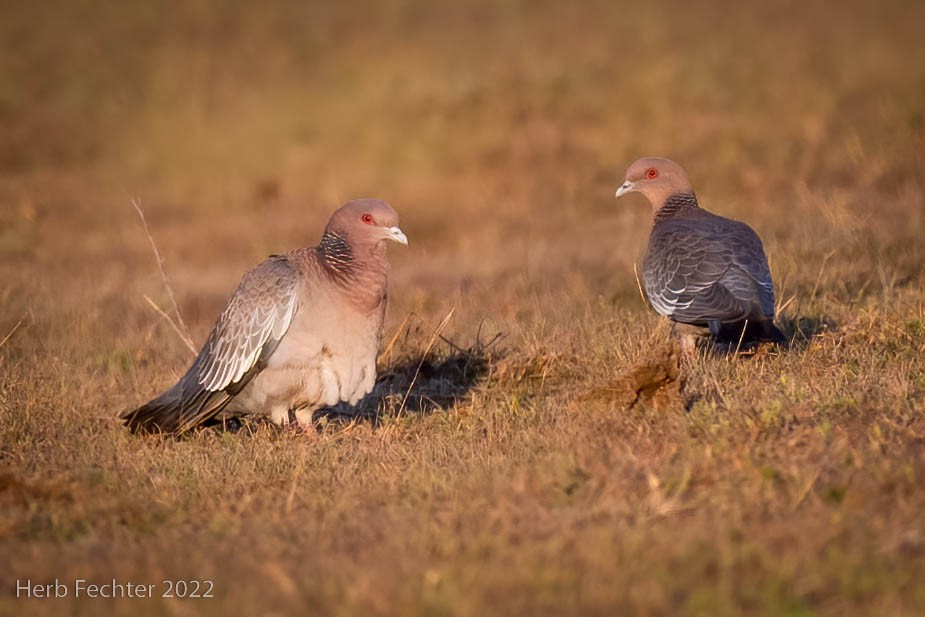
396,234
625,188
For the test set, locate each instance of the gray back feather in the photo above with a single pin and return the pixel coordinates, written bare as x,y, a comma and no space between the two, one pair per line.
701,267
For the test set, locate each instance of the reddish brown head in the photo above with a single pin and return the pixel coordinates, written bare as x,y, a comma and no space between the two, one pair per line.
365,222
657,178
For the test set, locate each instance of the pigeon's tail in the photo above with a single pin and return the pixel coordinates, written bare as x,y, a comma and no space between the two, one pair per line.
160,415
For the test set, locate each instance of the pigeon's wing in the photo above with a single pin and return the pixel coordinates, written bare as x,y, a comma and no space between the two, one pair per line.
694,273
753,276
248,331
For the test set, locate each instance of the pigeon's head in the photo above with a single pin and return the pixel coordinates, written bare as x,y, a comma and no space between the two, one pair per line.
366,222
657,178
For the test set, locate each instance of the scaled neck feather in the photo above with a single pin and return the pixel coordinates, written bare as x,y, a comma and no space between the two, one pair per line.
676,204
361,272
336,255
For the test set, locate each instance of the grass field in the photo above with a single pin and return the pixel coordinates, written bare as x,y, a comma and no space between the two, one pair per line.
530,473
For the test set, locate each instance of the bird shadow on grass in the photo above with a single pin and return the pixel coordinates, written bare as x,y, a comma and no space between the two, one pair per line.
415,383
802,329
799,330
419,383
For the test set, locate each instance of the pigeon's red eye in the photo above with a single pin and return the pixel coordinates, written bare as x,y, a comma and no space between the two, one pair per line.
368,219
651,173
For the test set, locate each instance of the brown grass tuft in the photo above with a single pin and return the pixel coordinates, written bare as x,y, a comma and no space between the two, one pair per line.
655,379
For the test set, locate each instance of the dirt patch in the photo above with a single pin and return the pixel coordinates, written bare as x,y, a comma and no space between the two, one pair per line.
655,379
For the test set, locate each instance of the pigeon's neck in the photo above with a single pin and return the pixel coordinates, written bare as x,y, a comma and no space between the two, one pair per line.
360,271
676,204
336,254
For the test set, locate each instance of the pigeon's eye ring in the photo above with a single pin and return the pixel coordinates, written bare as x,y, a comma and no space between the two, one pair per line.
368,219
651,173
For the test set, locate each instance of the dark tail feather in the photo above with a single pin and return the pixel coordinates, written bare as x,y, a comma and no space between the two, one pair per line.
187,404
161,415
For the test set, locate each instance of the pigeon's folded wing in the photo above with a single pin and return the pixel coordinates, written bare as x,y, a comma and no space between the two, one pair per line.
249,329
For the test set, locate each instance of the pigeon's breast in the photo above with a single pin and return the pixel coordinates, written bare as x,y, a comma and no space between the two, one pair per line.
343,377
315,366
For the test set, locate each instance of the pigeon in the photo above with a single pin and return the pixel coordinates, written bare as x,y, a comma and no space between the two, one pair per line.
707,273
300,332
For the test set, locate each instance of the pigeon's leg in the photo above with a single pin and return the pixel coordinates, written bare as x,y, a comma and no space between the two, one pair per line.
303,418
688,345
279,414
687,335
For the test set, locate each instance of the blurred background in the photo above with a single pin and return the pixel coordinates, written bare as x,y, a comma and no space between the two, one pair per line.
498,130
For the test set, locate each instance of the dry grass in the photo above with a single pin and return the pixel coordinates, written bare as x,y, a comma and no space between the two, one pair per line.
566,468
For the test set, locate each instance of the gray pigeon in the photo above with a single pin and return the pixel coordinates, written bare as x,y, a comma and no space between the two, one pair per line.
707,273
299,333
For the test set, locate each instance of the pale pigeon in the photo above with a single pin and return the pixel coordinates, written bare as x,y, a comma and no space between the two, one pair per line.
301,331
705,272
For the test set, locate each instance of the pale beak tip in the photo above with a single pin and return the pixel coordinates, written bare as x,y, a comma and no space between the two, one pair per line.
398,235
624,188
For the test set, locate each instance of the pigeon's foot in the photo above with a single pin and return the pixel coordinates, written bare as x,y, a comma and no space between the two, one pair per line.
687,336
303,421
